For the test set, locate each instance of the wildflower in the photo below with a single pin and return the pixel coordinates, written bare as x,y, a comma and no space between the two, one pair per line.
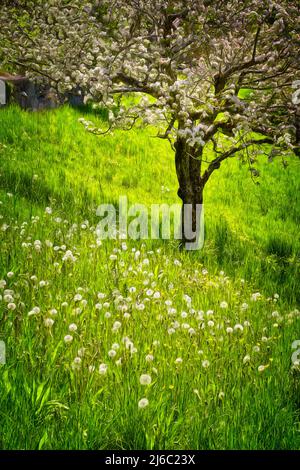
53,311
10,274
68,256
107,315
205,363
98,306
145,379
42,283
117,325
72,327
48,322
119,362
102,369
11,306
156,295
101,295
132,290
264,339
149,358
255,296
77,297
91,369
229,330
171,331
178,360
81,352
246,323
184,315
256,348
37,245
156,343
2,283
172,311
208,313
262,368
112,353
187,299
140,306
246,359
34,311
221,395
48,210
68,339
224,304
244,306
113,257
143,403
77,360
210,323
129,344
238,327
192,331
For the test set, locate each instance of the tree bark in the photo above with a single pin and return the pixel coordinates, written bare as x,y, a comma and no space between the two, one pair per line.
190,191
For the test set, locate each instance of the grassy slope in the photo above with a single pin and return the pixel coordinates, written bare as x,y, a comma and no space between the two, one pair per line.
251,233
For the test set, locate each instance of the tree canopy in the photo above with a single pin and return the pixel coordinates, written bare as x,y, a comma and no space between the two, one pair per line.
207,73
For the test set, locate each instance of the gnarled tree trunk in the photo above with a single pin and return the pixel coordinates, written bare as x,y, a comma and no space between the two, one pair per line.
188,168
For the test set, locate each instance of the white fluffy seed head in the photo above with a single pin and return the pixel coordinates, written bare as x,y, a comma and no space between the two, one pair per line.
143,403
145,379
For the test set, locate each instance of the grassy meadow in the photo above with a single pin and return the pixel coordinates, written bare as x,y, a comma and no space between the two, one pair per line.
135,344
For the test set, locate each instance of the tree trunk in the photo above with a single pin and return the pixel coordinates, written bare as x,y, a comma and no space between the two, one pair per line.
188,168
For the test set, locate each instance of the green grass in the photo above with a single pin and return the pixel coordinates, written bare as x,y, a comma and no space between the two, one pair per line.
49,402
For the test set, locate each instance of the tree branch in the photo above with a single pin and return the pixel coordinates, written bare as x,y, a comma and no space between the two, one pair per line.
216,163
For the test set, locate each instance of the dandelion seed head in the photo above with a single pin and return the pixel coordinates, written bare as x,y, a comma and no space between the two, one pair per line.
145,379
143,403
246,359
11,306
68,339
149,358
102,369
48,322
